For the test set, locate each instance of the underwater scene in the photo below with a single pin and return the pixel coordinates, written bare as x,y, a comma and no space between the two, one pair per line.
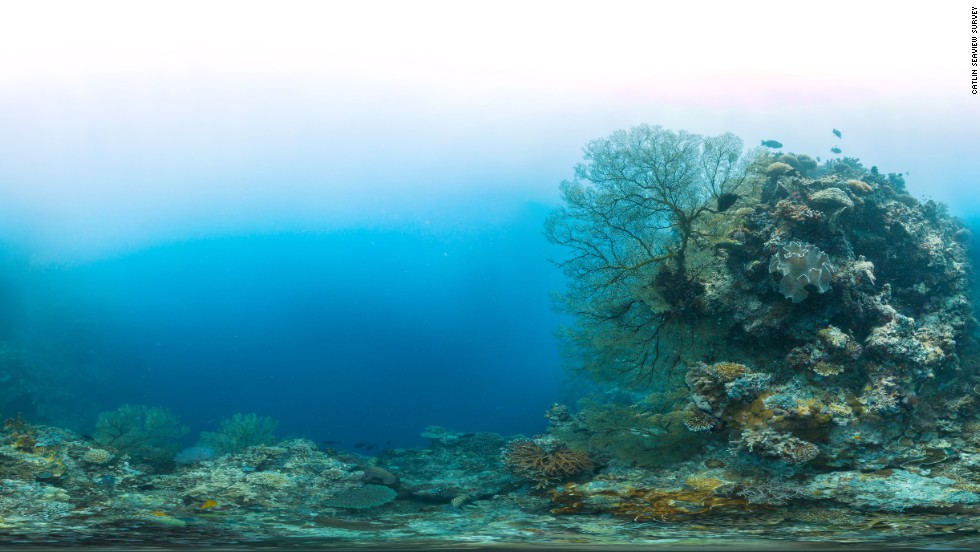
434,276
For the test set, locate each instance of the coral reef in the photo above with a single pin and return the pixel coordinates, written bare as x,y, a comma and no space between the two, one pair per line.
864,362
800,360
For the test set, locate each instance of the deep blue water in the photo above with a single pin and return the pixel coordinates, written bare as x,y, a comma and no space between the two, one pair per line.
356,336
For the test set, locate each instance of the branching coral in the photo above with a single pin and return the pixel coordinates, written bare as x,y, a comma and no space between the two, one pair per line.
882,395
545,463
699,420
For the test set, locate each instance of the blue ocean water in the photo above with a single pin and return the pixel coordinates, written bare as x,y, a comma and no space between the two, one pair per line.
350,337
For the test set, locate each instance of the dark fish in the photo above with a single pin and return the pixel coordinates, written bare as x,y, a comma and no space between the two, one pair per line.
771,144
360,445
835,150
836,133
371,446
106,480
329,442
726,200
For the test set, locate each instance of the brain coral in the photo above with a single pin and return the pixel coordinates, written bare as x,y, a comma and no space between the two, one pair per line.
801,264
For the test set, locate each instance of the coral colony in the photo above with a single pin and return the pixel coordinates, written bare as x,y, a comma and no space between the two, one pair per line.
775,343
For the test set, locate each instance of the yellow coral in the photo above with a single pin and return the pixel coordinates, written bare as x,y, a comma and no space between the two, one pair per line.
663,505
840,412
26,443
827,369
859,186
703,483
649,504
97,456
779,168
755,415
728,371
806,407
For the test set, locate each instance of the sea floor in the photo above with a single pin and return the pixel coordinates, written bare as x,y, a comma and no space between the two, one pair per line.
494,524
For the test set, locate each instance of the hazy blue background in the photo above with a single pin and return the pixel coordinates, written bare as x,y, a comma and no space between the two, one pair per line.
332,215
355,335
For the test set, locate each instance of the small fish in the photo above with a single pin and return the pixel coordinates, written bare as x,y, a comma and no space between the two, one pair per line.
329,442
726,200
835,149
771,144
361,445
208,504
836,133
107,480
